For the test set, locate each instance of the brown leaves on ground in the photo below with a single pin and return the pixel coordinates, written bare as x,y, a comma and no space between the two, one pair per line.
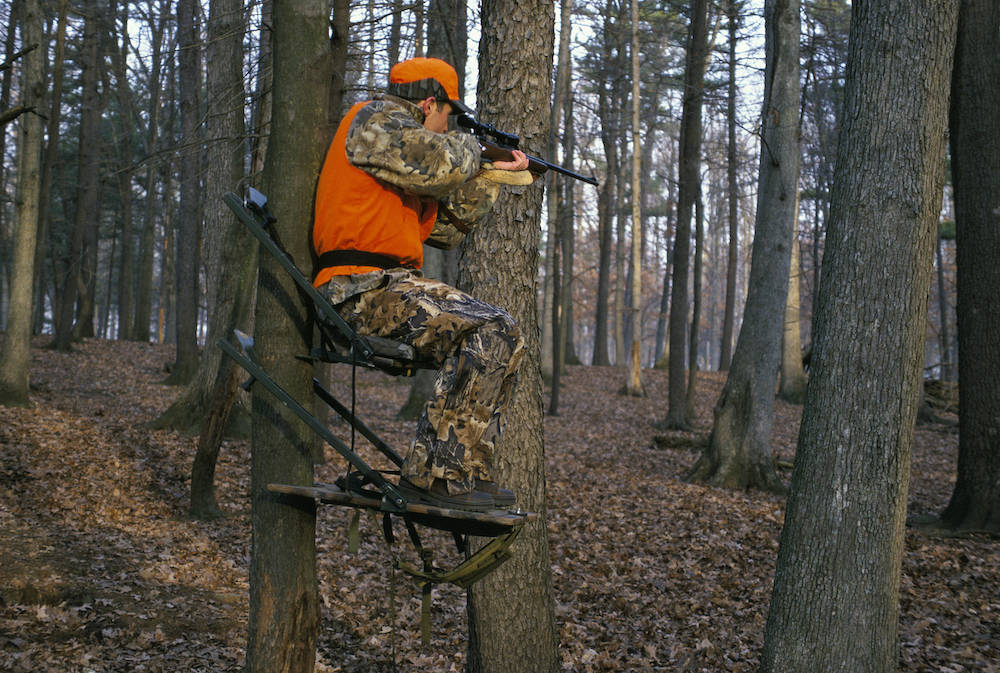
101,570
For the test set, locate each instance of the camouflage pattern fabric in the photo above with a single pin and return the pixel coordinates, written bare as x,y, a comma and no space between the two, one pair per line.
479,350
388,140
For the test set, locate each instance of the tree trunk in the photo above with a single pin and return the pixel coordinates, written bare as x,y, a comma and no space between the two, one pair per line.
74,298
566,217
127,118
739,451
606,199
633,384
975,151
689,175
729,319
947,367
51,154
793,377
15,355
88,212
553,186
835,604
512,621
696,284
284,610
230,250
228,247
188,243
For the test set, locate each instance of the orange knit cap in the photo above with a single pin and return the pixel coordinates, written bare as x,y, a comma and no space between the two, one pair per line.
422,77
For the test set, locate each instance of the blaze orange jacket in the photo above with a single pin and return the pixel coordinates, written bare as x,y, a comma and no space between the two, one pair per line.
355,211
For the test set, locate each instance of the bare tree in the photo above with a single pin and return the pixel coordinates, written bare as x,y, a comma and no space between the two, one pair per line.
975,161
689,176
14,356
738,454
835,603
512,620
633,383
188,241
284,611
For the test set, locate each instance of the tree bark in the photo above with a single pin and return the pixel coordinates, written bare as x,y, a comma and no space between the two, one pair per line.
633,385
230,250
75,297
228,247
738,454
975,151
729,317
689,175
284,610
188,241
512,621
15,355
835,603
793,377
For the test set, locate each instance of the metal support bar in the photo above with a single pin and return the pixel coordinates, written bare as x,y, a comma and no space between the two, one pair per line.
356,423
327,314
393,500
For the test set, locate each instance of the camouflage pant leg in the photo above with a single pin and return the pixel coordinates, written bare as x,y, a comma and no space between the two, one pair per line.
479,349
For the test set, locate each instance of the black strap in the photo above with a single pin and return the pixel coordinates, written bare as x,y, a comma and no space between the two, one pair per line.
357,258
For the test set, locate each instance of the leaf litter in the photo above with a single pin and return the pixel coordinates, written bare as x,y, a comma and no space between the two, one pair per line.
102,570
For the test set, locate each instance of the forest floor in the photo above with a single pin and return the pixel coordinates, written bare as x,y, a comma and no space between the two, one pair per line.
101,569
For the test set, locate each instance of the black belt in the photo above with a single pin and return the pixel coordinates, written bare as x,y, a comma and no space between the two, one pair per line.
358,258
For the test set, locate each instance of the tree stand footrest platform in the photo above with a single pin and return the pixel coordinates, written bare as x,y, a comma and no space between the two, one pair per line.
482,524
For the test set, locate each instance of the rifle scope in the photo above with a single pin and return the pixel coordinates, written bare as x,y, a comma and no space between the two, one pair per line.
482,128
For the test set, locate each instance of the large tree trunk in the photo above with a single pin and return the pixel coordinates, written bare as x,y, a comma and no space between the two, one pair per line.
975,162
689,175
512,621
738,454
188,243
835,604
15,354
284,610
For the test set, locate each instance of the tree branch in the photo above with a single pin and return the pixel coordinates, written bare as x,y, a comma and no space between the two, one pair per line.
10,114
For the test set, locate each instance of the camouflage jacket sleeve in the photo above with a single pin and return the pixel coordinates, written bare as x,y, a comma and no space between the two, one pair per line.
387,140
467,205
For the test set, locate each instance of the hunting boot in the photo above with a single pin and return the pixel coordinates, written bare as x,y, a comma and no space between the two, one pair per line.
438,496
503,497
